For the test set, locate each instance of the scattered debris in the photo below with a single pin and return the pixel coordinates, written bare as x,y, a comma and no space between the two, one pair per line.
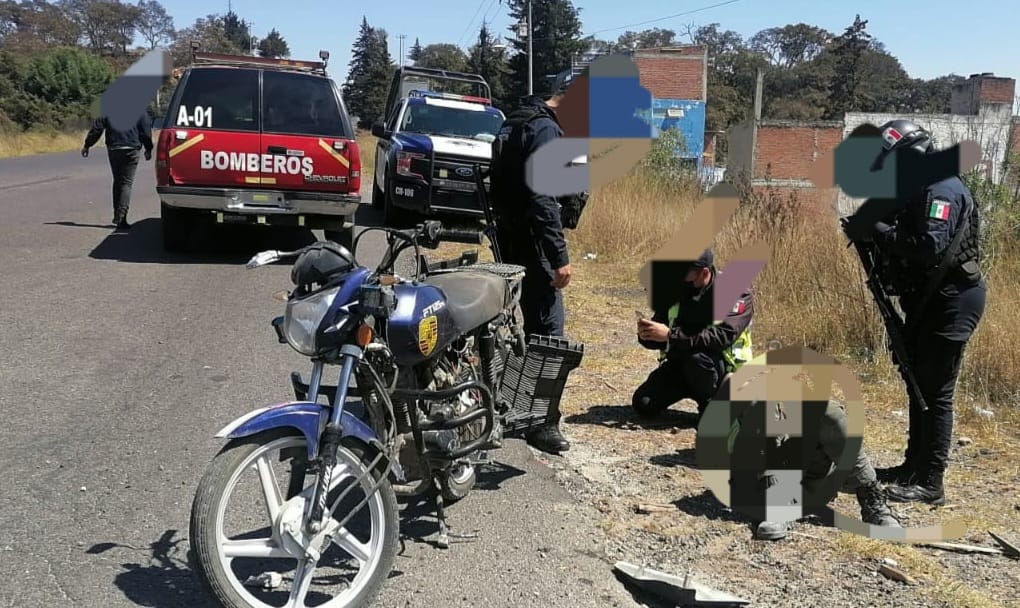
983,413
962,548
896,574
888,561
590,256
83,488
647,509
1007,547
965,441
676,590
897,413
266,580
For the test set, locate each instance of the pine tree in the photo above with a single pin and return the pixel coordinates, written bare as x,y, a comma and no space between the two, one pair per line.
237,30
274,45
489,62
846,53
414,54
557,32
371,69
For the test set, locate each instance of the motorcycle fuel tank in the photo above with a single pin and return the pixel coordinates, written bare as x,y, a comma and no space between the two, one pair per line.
421,325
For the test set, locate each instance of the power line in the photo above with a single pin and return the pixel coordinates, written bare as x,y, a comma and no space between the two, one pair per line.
468,27
657,19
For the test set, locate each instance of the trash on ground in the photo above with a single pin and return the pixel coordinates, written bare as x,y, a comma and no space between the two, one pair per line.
1010,549
896,574
962,548
646,509
681,591
266,580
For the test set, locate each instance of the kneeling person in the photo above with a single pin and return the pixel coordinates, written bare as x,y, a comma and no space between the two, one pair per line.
696,352
825,448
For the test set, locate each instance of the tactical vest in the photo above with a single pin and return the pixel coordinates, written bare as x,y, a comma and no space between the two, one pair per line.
962,265
735,355
507,182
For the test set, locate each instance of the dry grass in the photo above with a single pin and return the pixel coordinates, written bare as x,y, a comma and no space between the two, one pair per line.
18,143
810,294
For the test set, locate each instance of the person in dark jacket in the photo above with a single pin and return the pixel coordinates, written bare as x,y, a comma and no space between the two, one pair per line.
122,148
530,229
696,352
931,254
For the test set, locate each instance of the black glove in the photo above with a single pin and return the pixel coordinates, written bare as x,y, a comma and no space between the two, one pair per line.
859,231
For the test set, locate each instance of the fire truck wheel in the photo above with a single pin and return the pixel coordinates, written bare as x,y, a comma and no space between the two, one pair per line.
174,224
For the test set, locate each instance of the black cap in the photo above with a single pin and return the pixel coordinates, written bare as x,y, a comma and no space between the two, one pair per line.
705,260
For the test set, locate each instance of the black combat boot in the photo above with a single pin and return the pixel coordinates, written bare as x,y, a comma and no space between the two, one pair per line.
874,508
549,439
903,474
927,489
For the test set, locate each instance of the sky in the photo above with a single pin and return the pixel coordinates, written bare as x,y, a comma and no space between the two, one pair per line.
930,37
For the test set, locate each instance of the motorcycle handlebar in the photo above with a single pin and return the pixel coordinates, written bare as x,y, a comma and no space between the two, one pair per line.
469,237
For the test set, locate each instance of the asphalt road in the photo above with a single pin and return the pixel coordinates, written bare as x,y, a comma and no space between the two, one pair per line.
119,363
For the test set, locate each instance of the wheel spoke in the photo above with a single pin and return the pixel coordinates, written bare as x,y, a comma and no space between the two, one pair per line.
357,549
258,547
270,489
302,582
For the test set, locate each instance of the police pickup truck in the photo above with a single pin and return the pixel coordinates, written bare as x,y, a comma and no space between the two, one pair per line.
429,142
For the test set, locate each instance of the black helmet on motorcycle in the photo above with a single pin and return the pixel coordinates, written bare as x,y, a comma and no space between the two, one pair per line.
321,263
901,134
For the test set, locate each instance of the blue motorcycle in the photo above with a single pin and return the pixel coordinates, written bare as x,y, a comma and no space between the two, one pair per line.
441,375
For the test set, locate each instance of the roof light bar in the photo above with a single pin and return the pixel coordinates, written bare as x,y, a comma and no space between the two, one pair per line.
205,57
417,93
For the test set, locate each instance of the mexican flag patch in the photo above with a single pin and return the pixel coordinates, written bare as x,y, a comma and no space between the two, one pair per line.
939,210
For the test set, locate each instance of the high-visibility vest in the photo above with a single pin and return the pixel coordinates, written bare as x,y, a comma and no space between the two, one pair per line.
735,355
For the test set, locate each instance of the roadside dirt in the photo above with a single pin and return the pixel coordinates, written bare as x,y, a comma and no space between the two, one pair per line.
616,463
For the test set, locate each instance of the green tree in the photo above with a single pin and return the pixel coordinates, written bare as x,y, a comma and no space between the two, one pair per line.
238,31
557,40
414,53
790,45
274,45
154,24
442,56
489,62
647,39
368,80
211,35
108,27
847,53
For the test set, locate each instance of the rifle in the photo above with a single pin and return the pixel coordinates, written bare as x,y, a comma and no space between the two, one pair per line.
894,324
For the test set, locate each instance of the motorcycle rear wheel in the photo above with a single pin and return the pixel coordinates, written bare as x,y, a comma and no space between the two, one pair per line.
208,537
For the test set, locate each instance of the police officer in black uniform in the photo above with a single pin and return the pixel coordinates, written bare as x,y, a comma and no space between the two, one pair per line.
530,229
694,359
930,257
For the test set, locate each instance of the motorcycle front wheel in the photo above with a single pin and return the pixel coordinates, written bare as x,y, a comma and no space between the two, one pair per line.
278,569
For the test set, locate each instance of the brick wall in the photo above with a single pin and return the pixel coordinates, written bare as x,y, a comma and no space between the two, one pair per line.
673,72
786,149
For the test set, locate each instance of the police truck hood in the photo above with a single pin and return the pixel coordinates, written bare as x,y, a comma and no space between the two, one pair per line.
420,142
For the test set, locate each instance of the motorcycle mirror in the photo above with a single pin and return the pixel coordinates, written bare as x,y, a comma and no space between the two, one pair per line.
262,258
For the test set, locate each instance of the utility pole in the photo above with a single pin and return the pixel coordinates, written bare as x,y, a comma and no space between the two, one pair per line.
401,37
531,69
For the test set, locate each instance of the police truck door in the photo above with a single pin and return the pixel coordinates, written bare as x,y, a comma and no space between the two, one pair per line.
304,131
216,139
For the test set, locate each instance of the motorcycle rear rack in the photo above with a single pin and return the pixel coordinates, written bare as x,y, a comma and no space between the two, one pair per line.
534,385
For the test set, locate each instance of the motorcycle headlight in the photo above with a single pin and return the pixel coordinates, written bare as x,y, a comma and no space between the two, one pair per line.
302,319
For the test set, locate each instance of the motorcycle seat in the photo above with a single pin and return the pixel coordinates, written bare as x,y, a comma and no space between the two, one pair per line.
472,298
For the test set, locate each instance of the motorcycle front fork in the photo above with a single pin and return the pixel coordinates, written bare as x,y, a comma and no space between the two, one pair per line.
330,441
